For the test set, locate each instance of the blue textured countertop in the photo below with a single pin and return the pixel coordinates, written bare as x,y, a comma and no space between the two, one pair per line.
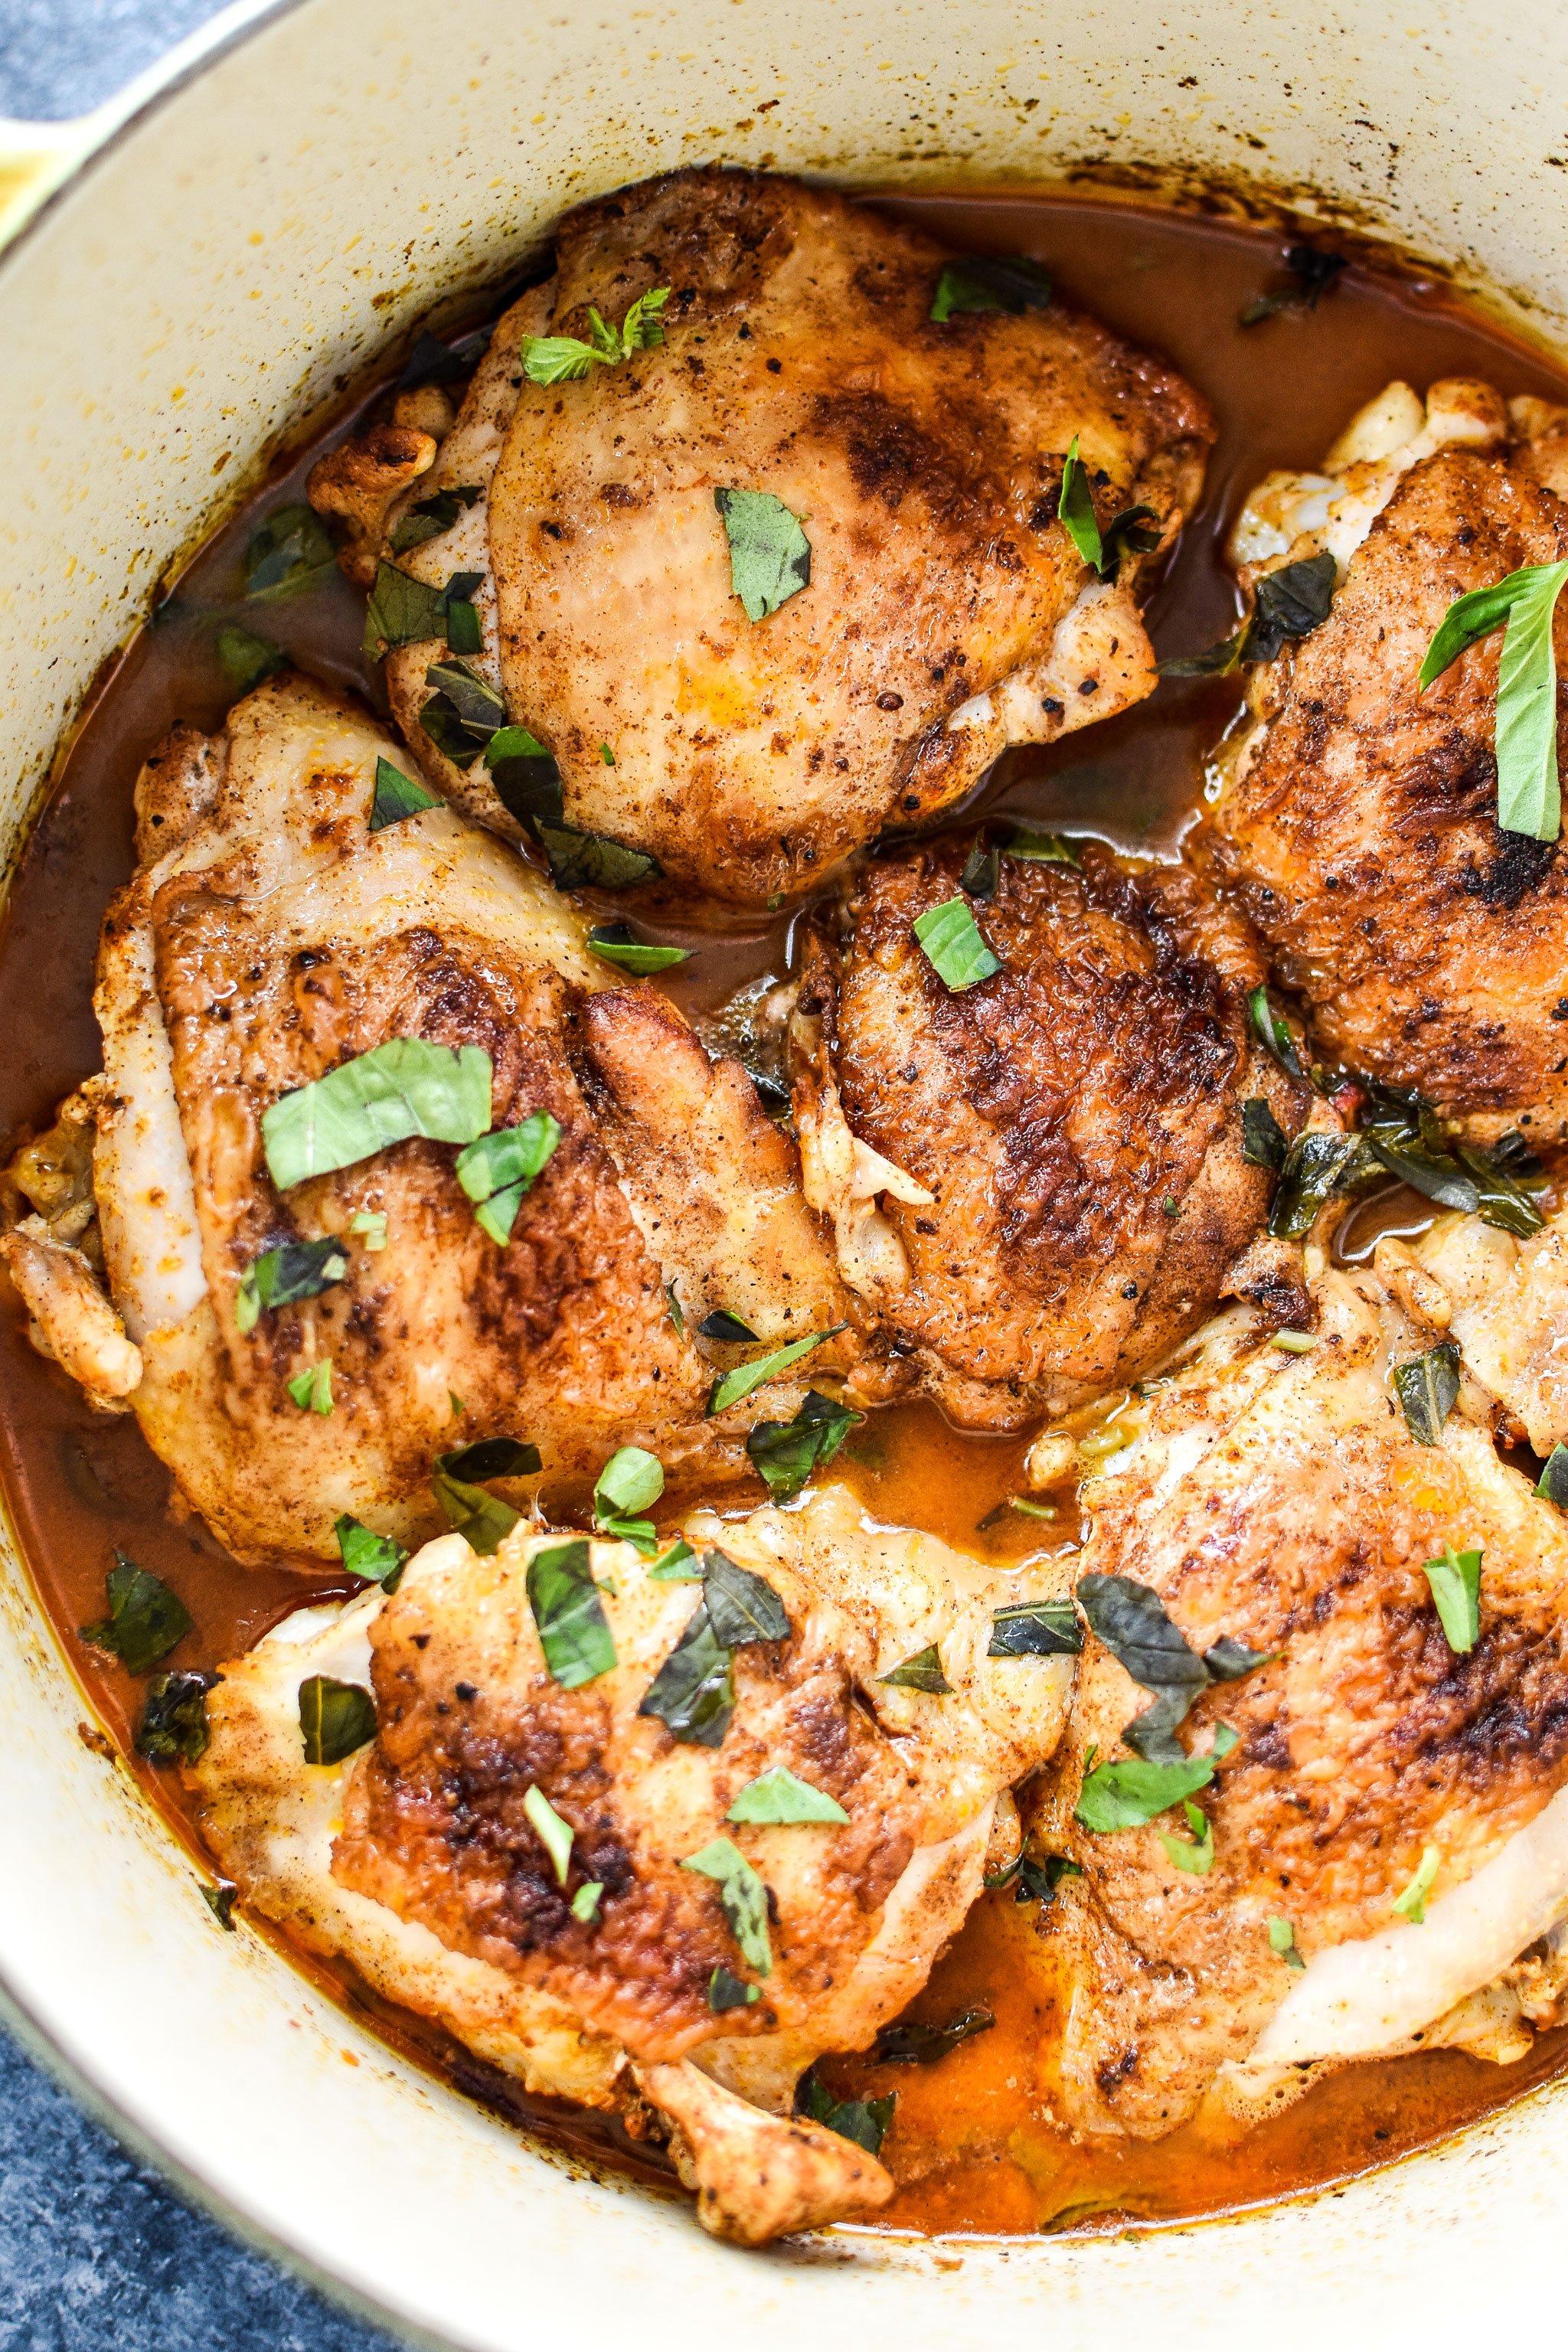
95,2251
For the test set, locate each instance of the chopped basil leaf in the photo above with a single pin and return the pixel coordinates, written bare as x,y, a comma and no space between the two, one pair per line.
1529,798
1294,1343
1263,1139
404,1087
555,1835
398,796
464,632
371,1225
641,1534
983,281
742,1607
1215,661
1313,270
1124,1796
1075,510
335,1718
614,943
433,361
1132,531
744,1378
1273,1032
526,777
981,870
863,2121
145,1620
769,555
285,1276
922,1672
430,518
481,709
1287,604
1282,1939
779,1796
1428,1390
1132,1622
629,1481
693,1693
726,1992
784,1454
677,1313
1038,849
1456,1582
1316,1167
491,1457
482,1520
290,552
311,1390
1411,1903
565,359
589,861
497,1170
585,1902
245,659
1552,1486
955,945
1228,1660
378,1559
922,2046
1035,1629
220,1900
1194,1855
678,1565
401,611
744,1898
573,1632
729,1328
173,1725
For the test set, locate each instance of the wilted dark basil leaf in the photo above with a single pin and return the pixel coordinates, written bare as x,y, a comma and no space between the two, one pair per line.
402,611
335,1718
990,282
145,1620
290,552
479,709
1428,1390
482,1520
1315,1168
527,782
465,633
433,361
726,1992
1131,1621
1273,1032
491,1457
784,1454
245,659
173,1725
1289,603
693,1693
573,1632
981,870
439,720
1552,1486
587,861
742,1607
922,1672
220,1900
864,2121
1502,1191
1035,1629
1263,1139
396,796
1216,661
1433,1172
433,516
1134,531
1313,270
1228,1660
283,1276
922,2046
723,1325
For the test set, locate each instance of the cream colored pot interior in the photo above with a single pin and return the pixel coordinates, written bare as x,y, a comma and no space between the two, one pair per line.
242,245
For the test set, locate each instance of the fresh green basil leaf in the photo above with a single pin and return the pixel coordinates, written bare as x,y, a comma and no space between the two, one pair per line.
742,1607
526,777
482,1520
784,1454
922,2046
173,1725
744,1378
588,861
573,1632
403,1089
981,871
220,1901
778,1796
641,1534
922,1672
1282,1940
614,943
491,1457
1194,1854
285,1276
432,517
1124,1796
565,359
1553,1485
678,1565
769,555
1428,1390
1075,510
1035,1629
863,2121
378,1559
311,1390
726,1327
497,1168
726,1991
291,552
693,1693
1529,797
245,659
981,281
553,1834
145,1620
585,1902
1263,1139
955,945
398,796
629,1481
1035,847
1456,1582
744,1898
1467,621
1412,1904
402,611
1315,1169
335,1718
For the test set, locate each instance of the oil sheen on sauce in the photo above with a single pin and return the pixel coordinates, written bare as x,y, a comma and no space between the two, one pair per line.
975,2147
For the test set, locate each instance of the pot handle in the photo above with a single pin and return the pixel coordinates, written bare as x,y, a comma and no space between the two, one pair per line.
34,157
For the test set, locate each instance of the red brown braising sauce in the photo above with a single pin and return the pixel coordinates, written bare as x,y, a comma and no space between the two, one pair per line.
975,2145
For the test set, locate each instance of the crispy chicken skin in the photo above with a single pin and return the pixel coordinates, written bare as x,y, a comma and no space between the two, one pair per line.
1358,827
1281,1501
419,1861
270,937
1056,1150
948,612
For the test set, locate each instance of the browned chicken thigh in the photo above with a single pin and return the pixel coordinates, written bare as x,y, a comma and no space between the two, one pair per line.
928,606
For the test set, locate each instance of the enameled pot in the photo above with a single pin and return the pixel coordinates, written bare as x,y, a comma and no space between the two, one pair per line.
223,250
